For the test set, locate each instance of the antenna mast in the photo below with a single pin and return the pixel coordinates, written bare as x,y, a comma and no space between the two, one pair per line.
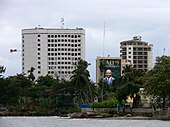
104,39
62,23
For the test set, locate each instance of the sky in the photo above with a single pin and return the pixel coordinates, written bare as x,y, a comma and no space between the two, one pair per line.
123,19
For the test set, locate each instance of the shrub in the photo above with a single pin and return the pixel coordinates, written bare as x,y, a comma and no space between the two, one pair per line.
104,104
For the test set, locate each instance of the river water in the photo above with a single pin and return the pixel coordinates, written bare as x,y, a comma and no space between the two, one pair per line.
66,122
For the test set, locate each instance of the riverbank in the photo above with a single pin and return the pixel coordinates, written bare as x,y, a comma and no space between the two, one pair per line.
118,116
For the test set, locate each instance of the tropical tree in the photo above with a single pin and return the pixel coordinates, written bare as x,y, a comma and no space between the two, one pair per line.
81,83
157,81
2,70
129,84
31,75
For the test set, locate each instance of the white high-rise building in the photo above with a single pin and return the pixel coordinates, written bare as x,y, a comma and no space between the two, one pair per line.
52,51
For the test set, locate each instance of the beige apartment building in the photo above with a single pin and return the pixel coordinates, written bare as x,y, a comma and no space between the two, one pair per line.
137,52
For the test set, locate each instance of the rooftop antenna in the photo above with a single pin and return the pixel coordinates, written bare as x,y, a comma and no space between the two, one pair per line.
62,23
104,39
164,51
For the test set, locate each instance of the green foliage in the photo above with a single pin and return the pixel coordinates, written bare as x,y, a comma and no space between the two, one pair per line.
2,70
129,83
128,89
157,81
31,75
82,86
104,104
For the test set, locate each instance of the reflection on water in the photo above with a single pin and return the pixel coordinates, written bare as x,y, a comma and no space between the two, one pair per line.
66,122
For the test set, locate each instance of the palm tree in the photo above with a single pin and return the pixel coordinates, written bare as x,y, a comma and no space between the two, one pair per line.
81,82
31,75
2,69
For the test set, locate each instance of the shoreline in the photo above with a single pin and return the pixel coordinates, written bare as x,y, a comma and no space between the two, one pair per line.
107,118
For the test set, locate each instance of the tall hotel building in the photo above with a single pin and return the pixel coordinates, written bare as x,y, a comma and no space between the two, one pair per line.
137,52
52,51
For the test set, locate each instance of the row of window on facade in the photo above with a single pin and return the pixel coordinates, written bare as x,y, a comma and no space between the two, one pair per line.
58,63
135,43
63,36
64,54
64,58
140,66
61,72
61,67
64,49
136,49
135,53
64,45
58,45
62,40
138,57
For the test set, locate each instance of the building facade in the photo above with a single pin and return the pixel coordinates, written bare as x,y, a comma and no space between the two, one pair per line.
138,53
52,51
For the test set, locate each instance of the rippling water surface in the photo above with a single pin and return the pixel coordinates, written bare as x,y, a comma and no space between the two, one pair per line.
66,122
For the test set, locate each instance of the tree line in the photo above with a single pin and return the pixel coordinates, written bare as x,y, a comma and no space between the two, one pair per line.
50,96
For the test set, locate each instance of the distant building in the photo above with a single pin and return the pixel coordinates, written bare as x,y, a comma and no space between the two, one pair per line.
52,51
137,52
115,64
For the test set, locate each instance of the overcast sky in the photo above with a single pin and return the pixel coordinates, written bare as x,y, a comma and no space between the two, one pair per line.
123,20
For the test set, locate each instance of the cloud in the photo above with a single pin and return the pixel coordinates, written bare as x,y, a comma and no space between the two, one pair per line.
124,19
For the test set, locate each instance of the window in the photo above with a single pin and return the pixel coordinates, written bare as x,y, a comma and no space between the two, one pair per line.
52,36
39,62
48,40
39,35
48,36
39,58
129,56
38,53
38,40
39,44
39,67
79,35
39,72
39,49
55,36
